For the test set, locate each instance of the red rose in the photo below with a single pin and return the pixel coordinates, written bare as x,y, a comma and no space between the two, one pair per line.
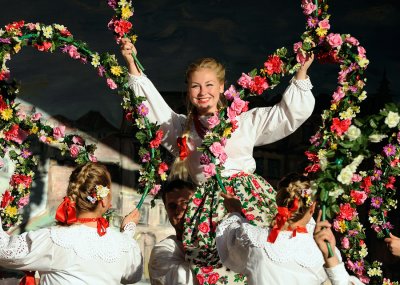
213,278
162,168
339,126
200,278
207,269
347,212
18,179
250,217
313,168
155,143
204,227
197,201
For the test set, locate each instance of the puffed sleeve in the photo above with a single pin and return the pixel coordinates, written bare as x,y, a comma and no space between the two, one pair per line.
167,265
271,124
160,112
235,238
338,274
31,251
134,263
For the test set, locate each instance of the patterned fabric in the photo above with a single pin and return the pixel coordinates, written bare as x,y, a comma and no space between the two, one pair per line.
206,210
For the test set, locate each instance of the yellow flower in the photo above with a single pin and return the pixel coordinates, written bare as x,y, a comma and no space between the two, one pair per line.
96,60
363,62
11,211
342,226
17,48
116,70
333,107
363,252
227,132
34,129
6,114
134,38
334,146
321,32
126,12
47,31
163,176
122,3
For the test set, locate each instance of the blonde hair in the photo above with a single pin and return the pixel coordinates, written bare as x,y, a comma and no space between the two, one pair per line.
179,167
82,182
289,188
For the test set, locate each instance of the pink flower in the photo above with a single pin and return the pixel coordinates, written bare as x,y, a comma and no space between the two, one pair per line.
217,149
308,7
338,95
361,51
301,57
239,106
213,121
111,83
23,201
21,115
356,178
77,140
36,116
209,170
334,40
43,139
351,40
223,157
245,81
154,191
74,150
359,197
92,158
16,134
324,24
59,132
197,201
73,52
297,46
231,93
204,227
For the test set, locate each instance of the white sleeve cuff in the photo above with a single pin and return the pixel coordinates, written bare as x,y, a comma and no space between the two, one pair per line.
302,84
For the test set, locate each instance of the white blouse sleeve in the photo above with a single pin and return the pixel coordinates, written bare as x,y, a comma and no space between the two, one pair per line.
167,265
160,112
32,251
134,264
235,237
271,124
338,274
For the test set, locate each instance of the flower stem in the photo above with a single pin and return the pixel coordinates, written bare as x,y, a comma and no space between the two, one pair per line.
323,218
137,62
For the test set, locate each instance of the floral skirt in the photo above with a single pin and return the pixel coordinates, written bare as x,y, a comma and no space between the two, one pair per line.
205,211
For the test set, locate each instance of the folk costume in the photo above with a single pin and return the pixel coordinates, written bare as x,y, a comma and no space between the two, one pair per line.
292,257
256,127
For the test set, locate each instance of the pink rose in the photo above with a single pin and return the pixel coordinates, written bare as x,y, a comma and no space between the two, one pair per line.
155,189
73,52
209,170
223,157
197,201
297,46
334,40
21,115
361,51
36,116
43,139
23,201
231,114
92,158
59,132
74,150
308,8
77,140
345,243
204,227
111,83
301,57
238,105
245,81
351,40
324,24
217,149
338,95
213,121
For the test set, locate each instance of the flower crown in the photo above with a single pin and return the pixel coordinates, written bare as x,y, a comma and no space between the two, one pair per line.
99,193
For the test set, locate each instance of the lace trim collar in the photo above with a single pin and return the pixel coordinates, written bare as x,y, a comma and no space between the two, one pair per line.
90,245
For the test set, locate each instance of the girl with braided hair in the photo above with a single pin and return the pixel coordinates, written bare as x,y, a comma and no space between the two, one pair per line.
183,134
81,249
287,252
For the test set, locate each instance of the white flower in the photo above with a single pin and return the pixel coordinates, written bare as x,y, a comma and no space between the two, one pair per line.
345,176
375,138
392,119
96,60
336,192
362,96
101,191
363,251
374,272
373,219
59,27
323,163
47,31
1,32
352,133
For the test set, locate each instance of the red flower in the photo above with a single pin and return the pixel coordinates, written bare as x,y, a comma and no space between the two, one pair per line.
313,168
65,33
7,199
311,156
15,26
347,212
43,47
249,217
155,143
273,65
339,126
197,201
255,183
3,104
359,197
390,183
162,168
229,189
15,134
213,278
200,278
204,227
259,85
4,74
366,184
18,179
207,269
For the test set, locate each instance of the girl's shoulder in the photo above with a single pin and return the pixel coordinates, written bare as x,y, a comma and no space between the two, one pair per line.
86,243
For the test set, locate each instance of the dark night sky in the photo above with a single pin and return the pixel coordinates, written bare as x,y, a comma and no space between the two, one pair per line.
241,34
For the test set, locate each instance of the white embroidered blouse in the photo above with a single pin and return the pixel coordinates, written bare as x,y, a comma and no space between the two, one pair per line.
74,255
290,260
258,126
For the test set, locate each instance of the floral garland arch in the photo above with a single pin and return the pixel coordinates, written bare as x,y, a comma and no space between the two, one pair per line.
337,150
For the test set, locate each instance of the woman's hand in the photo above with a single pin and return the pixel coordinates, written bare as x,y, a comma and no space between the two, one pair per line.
393,243
302,72
323,234
133,216
231,203
127,48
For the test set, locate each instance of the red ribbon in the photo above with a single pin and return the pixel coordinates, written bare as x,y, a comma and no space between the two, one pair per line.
281,218
298,229
66,212
28,279
102,224
183,148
